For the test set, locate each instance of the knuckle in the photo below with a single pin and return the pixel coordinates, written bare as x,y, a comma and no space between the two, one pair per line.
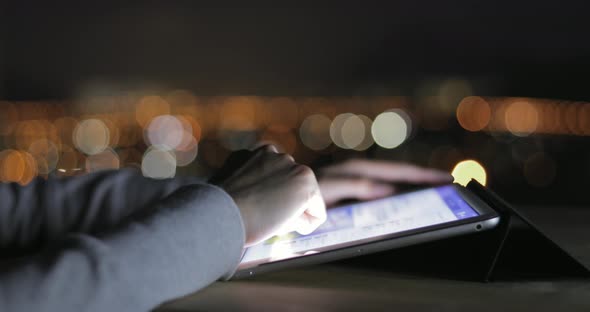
285,157
270,148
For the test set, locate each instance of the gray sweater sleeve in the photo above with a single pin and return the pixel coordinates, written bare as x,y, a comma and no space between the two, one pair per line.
113,241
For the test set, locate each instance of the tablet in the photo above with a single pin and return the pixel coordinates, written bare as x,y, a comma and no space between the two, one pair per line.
367,227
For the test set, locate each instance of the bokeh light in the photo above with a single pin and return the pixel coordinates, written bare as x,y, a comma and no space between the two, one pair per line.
367,137
466,170
314,132
584,119
111,122
187,153
46,154
105,160
12,166
149,107
336,129
390,129
521,118
166,131
353,132
473,113
30,170
158,163
28,131
91,136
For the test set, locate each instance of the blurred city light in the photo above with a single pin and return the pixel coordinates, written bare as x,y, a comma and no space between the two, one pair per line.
107,159
12,164
367,137
353,132
166,131
46,153
466,170
149,107
473,113
336,129
170,133
186,153
521,118
91,136
158,163
390,129
315,132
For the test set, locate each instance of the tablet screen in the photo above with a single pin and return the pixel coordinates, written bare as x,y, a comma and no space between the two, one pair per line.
350,224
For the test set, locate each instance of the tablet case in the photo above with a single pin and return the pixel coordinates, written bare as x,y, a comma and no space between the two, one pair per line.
515,250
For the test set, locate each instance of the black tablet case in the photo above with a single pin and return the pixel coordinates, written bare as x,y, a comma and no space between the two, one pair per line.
515,250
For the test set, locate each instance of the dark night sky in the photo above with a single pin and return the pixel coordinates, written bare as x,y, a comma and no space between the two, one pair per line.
525,48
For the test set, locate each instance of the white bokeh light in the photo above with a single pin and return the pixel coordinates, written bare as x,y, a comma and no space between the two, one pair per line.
367,138
158,163
353,132
165,131
186,153
46,155
91,136
390,129
315,132
336,129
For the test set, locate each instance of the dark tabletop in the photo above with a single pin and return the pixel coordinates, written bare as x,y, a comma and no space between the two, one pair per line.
334,287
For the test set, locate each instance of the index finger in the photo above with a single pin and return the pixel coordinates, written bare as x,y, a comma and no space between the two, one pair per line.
388,171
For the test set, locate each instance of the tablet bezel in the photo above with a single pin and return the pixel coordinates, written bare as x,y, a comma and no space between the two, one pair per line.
488,218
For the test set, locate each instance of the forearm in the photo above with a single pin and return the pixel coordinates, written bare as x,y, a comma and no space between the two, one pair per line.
46,210
188,241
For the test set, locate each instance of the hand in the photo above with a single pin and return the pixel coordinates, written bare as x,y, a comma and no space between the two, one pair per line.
372,179
274,194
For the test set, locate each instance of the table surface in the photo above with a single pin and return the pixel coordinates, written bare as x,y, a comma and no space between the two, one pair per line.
332,287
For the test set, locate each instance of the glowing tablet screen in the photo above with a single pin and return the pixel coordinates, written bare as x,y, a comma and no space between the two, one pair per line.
350,224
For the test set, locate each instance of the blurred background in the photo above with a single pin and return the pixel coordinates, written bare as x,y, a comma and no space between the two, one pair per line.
171,88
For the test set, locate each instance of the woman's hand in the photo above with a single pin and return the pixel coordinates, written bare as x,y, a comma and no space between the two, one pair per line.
371,179
274,194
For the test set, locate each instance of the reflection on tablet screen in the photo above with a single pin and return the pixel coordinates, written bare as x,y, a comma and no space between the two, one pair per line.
348,224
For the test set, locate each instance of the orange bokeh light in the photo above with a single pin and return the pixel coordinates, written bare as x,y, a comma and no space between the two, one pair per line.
473,113
521,118
30,170
12,166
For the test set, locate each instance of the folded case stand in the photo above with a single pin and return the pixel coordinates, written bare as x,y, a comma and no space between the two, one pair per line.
515,250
